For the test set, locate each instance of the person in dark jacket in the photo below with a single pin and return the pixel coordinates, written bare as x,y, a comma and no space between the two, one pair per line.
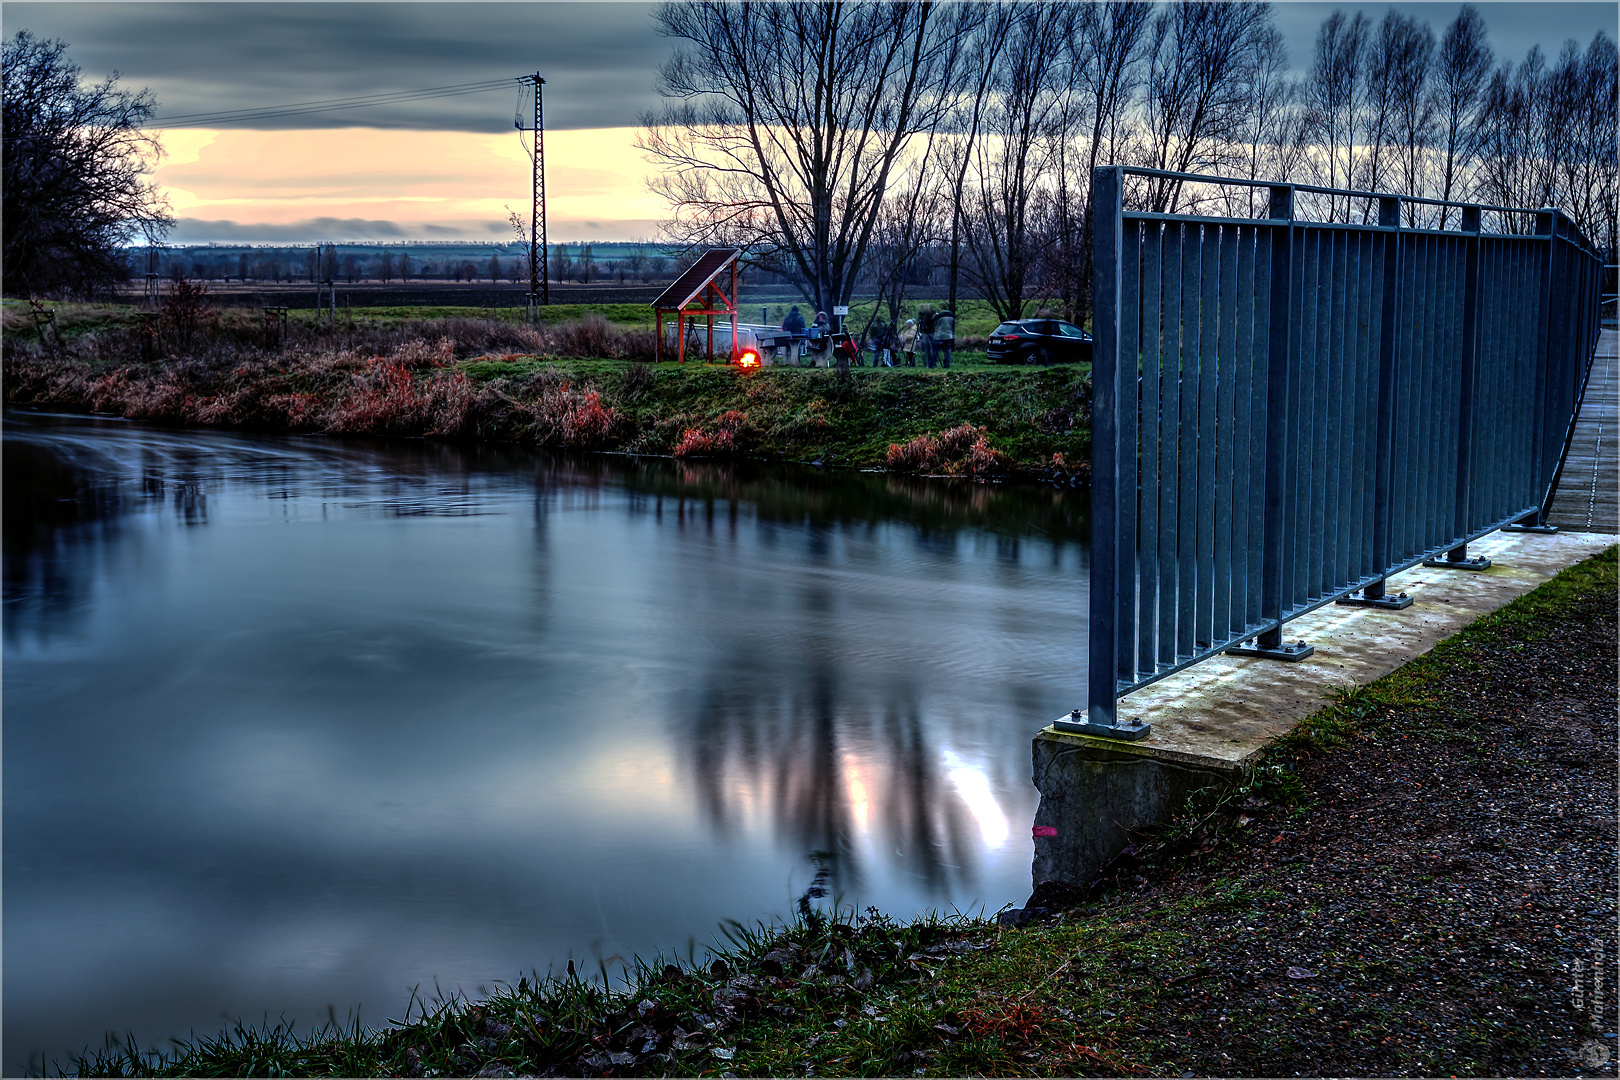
925,333
794,324
878,338
944,336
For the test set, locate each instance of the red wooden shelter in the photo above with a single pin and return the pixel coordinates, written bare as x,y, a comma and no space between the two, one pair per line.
700,284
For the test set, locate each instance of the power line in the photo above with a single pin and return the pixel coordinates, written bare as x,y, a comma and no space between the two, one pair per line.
328,105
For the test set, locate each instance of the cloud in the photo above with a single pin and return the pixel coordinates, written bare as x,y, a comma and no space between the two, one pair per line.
598,59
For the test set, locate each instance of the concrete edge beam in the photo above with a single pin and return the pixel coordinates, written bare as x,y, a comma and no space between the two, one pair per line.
1213,722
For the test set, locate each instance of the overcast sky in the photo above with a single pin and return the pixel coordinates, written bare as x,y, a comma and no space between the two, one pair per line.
598,59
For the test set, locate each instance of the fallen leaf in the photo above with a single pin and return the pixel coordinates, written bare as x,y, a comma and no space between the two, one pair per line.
1300,973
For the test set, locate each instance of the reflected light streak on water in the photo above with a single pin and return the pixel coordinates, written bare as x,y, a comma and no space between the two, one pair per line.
300,721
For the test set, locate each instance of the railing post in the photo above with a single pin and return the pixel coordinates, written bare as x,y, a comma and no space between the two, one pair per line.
1113,384
1393,311
1457,558
1279,446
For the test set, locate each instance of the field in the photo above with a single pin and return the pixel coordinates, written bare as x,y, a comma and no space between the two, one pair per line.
624,305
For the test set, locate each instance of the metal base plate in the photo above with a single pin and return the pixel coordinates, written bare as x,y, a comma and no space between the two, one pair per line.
1288,650
1549,529
1480,563
1387,602
1129,730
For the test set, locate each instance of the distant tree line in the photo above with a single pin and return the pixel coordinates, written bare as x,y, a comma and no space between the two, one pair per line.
638,263
893,146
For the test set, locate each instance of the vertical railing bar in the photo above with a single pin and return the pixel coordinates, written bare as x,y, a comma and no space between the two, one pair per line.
1533,341
1504,300
1317,375
1355,488
1279,340
1402,406
1208,381
1106,483
1227,587
1248,450
1485,474
1307,362
1152,349
1187,457
1443,392
1332,438
1129,464
1467,362
1385,495
1428,319
1169,442
1463,483
1544,325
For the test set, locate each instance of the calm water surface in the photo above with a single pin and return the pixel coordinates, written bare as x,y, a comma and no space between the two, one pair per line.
292,723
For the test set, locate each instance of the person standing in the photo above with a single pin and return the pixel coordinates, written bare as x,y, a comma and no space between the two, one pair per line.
925,331
794,324
944,336
908,342
878,338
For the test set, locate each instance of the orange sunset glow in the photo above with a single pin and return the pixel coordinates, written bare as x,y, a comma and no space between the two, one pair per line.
366,183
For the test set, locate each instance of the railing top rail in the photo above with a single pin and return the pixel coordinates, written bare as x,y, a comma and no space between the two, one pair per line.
1207,178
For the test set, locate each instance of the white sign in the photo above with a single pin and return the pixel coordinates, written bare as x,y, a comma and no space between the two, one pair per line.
841,309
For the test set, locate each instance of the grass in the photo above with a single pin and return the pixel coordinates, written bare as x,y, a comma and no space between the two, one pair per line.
572,383
1113,987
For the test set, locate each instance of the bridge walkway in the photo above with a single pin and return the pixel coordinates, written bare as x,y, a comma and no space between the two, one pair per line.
1588,495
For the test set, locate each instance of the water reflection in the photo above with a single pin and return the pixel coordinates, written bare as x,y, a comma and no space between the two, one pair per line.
833,776
298,721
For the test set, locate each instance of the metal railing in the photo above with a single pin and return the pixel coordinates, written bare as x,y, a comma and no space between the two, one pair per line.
1286,412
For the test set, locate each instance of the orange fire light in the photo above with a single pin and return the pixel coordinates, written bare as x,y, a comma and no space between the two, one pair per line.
748,359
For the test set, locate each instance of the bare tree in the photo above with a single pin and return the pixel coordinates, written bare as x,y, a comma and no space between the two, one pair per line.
1012,164
74,155
1107,53
1407,50
789,121
1333,94
1200,58
1397,60
970,94
1463,65
1546,136
910,220
1592,170
1274,137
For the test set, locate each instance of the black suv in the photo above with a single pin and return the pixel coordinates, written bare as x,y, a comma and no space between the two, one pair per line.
1038,341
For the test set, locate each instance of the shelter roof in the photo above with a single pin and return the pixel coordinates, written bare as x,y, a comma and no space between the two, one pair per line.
686,287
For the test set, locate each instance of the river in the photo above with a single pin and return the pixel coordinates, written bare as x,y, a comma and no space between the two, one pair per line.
299,723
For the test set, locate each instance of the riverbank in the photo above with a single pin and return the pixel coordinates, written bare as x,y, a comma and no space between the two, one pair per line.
1410,886
580,383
